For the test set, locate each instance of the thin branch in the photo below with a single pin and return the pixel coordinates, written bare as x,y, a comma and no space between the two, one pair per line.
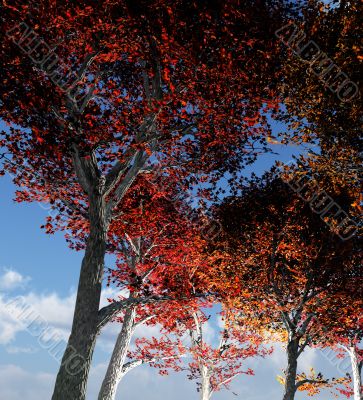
135,363
108,312
80,170
82,71
307,341
313,381
143,320
118,170
135,246
87,99
140,159
305,324
228,380
223,342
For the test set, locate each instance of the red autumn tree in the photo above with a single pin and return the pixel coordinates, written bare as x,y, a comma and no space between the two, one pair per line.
158,249
216,366
212,365
94,93
286,265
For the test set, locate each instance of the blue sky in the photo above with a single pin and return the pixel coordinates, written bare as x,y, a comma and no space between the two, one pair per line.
45,271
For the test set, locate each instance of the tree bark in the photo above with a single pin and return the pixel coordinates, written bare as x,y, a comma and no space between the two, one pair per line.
71,382
206,390
115,371
357,383
291,370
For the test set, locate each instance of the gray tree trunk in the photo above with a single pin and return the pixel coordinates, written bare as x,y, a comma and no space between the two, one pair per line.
357,383
115,372
72,377
291,370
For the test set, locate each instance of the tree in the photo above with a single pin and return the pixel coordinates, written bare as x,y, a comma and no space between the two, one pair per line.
158,251
286,265
356,358
322,95
95,93
344,335
214,366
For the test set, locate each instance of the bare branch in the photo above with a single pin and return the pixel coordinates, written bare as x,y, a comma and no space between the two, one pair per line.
307,341
223,342
305,324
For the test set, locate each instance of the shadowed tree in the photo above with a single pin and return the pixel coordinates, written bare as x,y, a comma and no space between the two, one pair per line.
286,265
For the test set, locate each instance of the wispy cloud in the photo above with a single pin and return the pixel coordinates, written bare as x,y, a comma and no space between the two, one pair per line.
11,279
21,350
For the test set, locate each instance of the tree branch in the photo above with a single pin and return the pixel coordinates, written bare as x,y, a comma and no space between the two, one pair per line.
313,381
143,320
228,379
80,170
121,189
87,171
135,363
108,312
118,170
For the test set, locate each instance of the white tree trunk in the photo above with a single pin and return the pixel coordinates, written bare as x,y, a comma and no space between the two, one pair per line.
115,371
357,384
206,390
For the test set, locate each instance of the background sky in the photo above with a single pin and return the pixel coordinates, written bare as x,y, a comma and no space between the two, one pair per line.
45,271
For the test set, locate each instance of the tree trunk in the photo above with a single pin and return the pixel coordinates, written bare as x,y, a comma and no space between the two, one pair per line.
357,383
71,382
291,370
114,372
206,390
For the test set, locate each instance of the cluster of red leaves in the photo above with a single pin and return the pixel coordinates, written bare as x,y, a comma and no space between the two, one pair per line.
206,107
186,339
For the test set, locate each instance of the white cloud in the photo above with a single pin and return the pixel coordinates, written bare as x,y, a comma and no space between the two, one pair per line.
143,382
278,357
17,384
21,350
11,280
50,310
9,326
19,313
